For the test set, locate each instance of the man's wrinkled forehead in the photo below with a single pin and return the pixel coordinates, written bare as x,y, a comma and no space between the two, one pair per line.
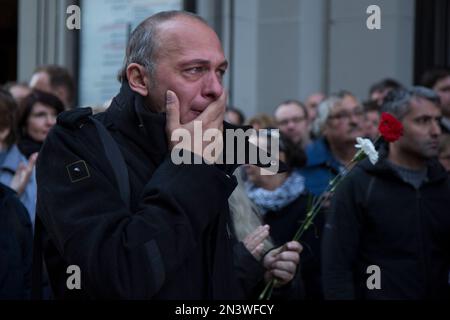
420,106
288,110
176,35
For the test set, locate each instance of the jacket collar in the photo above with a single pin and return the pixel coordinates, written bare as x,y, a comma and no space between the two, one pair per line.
435,172
130,115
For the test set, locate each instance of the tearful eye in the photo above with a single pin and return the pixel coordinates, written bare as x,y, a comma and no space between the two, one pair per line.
220,74
195,70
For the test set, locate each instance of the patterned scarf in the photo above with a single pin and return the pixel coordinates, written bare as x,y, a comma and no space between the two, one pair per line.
279,198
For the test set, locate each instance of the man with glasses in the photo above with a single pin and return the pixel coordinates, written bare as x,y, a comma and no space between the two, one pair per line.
388,232
292,120
339,122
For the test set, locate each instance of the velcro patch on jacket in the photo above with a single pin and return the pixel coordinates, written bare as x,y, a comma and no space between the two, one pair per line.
78,171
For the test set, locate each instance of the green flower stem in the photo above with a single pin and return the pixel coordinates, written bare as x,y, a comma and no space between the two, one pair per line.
264,295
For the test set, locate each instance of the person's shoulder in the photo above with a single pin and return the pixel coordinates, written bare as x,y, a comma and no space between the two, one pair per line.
9,199
74,131
69,124
360,171
5,191
316,153
74,119
12,159
315,146
356,179
14,215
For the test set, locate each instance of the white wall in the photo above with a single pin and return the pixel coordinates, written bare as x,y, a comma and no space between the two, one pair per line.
43,37
358,56
277,53
292,48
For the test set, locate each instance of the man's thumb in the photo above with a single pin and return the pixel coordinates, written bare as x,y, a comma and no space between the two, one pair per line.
172,109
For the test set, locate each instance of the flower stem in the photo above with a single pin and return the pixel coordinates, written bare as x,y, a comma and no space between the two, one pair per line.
264,295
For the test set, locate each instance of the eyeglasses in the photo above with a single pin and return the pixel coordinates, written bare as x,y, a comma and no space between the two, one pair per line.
295,120
357,112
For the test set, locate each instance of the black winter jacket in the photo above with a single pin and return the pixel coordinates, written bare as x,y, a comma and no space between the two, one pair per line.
16,242
174,242
378,219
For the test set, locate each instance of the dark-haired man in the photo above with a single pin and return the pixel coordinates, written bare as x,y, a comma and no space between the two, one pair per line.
388,233
292,120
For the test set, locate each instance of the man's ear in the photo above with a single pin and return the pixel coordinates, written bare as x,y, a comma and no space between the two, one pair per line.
138,78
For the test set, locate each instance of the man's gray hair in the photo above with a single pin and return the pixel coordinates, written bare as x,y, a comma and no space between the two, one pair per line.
397,102
144,41
324,109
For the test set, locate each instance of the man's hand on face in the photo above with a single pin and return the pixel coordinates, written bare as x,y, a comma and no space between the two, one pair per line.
210,118
281,263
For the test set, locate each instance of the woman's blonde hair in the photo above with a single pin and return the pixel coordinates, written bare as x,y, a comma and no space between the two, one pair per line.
244,214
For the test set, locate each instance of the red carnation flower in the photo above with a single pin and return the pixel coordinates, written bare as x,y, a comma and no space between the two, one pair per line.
390,128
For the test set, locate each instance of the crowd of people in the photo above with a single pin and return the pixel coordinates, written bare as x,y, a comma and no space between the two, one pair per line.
101,192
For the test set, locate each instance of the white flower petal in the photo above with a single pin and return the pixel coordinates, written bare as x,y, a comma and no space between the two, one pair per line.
368,148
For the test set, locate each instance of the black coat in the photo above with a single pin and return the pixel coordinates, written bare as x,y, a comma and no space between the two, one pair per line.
378,219
16,242
174,242
284,223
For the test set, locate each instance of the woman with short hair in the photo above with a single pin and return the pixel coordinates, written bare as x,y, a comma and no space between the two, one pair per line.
37,115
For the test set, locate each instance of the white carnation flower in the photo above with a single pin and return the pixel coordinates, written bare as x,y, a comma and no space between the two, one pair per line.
368,148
